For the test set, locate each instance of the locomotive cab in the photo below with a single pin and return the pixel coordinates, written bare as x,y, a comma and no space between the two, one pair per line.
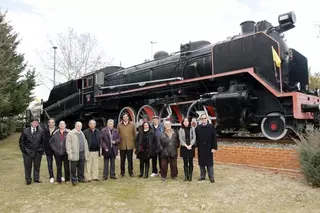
88,89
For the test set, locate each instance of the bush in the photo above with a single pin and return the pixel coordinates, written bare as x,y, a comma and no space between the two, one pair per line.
7,127
309,153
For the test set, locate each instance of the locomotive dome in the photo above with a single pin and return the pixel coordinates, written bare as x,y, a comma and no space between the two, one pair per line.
160,54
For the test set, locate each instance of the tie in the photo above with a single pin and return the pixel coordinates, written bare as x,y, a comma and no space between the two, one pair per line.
33,130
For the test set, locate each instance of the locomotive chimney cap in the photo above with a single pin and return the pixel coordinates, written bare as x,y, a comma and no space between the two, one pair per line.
247,27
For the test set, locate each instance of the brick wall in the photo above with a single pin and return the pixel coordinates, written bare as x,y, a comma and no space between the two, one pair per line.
278,159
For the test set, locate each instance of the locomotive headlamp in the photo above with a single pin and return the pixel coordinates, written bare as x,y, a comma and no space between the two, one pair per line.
287,21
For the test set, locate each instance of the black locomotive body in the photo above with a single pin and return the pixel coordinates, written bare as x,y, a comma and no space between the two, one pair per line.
252,81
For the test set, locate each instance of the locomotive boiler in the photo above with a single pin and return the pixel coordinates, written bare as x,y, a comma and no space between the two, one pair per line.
251,81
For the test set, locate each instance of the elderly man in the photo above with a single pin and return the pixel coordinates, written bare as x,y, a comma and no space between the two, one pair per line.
47,148
92,165
78,153
31,144
109,140
58,145
207,145
128,132
157,129
168,142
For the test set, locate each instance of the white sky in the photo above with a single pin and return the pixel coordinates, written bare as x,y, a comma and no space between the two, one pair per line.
124,28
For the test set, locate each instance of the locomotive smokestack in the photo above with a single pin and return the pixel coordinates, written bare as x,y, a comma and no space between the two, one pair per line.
247,27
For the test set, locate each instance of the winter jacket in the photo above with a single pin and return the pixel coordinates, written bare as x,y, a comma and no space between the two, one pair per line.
106,142
73,145
32,144
57,145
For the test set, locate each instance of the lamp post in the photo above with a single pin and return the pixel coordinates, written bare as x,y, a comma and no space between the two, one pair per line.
152,43
54,64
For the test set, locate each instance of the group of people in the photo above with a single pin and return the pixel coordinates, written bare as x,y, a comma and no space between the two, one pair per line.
79,151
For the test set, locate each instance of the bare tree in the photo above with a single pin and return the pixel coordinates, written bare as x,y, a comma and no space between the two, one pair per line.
76,55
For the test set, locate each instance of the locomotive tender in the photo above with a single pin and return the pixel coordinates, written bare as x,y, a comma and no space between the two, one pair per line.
252,81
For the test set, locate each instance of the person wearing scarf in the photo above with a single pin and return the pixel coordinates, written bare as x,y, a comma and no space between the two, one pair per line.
187,137
145,148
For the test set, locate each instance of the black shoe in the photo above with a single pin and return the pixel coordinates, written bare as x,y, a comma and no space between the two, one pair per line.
28,183
212,180
201,179
131,175
141,175
74,183
106,178
37,181
115,178
96,180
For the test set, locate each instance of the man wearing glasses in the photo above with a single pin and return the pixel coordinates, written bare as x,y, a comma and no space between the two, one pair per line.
207,145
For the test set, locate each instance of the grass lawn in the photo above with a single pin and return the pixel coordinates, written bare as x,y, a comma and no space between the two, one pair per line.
236,190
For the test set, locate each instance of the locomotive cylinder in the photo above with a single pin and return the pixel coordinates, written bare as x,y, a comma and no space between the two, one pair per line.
310,107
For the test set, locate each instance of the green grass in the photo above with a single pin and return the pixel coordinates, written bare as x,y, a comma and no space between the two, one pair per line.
236,190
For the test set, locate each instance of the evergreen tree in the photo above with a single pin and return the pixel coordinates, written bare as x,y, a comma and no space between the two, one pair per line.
16,85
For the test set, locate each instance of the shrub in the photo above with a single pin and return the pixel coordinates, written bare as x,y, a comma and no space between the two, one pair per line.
7,127
309,153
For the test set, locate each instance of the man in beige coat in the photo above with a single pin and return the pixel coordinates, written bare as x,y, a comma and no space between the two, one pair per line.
128,132
78,153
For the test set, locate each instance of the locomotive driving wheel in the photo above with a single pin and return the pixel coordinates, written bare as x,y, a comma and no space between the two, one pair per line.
146,113
171,113
130,111
274,126
196,109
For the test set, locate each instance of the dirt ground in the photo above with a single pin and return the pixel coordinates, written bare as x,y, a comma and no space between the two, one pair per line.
236,190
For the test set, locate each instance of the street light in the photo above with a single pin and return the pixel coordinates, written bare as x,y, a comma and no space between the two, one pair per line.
54,64
152,43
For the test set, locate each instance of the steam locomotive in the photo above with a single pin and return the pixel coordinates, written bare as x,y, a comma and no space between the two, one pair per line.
252,81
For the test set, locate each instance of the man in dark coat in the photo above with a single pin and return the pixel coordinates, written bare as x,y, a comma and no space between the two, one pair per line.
47,148
109,140
207,145
31,144
157,129
58,145
91,168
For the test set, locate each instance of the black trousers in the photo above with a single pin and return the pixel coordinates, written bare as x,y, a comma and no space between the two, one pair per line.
123,155
203,172
59,160
106,168
156,157
144,167
50,166
28,161
187,163
77,169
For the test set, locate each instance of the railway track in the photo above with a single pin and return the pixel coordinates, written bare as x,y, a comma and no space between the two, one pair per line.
254,140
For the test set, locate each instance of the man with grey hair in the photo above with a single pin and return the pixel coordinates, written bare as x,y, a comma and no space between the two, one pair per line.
207,146
109,140
91,167
78,153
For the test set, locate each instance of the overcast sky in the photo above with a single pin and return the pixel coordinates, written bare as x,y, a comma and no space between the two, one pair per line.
124,28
